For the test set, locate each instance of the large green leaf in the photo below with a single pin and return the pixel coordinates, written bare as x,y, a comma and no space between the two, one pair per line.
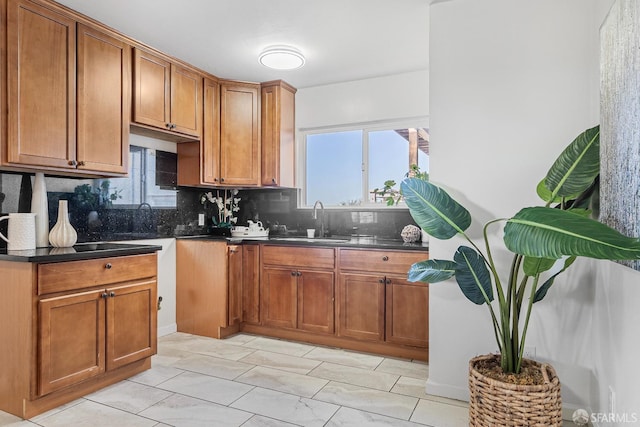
545,194
433,209
532,265
431,271
541,292
577,166
551,233
473,276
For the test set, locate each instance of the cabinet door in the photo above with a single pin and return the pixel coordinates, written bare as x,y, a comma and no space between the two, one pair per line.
131,314
186,102
277,102
201,287
315,301
104,100
71,344
152,78
407,312
239,134
234,260
279,301
211,133
251,284
41,90
361,306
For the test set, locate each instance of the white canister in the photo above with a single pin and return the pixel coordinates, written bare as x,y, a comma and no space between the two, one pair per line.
21,231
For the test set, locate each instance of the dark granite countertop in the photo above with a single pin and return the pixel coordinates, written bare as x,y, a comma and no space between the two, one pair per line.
336,241
77,252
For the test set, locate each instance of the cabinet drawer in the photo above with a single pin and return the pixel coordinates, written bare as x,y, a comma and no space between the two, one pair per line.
65,276
382,261
299,256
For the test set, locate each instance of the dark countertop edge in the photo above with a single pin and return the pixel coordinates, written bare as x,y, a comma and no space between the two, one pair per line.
355,242
115,249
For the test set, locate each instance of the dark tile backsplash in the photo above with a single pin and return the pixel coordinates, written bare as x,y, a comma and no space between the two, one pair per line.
274,207
279,207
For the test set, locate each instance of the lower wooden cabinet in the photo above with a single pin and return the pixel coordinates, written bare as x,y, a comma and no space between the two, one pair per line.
407,312
72,340
209,287
383,308
131,332
76,326
84,334
298,299
297,288
251,284
234,263
361,300
315,301
201,287
345,297
377,303
279,297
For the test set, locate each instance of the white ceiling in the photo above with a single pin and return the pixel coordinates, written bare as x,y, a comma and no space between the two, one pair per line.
343,40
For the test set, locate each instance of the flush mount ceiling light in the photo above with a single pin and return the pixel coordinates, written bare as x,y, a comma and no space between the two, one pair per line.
281,58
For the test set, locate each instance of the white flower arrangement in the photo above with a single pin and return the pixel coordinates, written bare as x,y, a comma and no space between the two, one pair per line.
227,204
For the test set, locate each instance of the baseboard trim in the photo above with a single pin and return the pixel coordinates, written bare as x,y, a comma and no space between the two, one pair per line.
168,329
462,393
446,390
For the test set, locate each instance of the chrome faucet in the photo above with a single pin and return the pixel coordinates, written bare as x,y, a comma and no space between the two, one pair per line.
144,222
315,216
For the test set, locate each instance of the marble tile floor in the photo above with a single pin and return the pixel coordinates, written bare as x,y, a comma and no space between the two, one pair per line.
254,381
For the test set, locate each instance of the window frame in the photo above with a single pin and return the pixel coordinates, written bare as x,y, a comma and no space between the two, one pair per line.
142,187
366,128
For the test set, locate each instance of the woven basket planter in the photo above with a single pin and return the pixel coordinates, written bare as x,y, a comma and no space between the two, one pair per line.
496,403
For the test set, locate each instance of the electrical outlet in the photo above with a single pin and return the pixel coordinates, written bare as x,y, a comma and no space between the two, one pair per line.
612,401
529,352
201,219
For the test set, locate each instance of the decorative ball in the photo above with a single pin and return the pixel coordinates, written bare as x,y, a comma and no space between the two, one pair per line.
410,234
580,417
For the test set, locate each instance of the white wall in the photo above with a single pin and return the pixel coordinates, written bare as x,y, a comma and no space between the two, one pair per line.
511,83
166,283
379,99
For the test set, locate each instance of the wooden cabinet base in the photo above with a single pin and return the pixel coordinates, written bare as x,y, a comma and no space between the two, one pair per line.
43,346
381,348
32,408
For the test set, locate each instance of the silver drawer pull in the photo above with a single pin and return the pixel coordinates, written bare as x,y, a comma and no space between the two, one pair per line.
385,258
108,266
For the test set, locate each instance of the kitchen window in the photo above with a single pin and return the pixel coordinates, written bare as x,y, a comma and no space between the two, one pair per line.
342,168
142,185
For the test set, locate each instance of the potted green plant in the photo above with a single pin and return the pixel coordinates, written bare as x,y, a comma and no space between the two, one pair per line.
545,241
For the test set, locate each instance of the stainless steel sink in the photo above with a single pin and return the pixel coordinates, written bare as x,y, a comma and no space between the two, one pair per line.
310,240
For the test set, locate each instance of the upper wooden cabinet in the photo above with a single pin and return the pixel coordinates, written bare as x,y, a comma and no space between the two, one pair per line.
278,133
239,133
41,90
167,96
229,152
60,75
104,101
210,151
